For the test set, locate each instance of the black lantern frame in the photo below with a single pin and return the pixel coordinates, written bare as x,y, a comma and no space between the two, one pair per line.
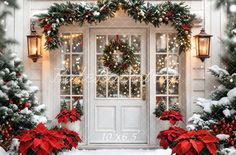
203,41
34,42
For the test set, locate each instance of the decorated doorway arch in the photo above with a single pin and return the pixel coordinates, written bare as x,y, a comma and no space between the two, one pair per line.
64,14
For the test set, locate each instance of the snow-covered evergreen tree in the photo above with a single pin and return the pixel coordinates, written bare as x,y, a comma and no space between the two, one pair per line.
19,108
219,112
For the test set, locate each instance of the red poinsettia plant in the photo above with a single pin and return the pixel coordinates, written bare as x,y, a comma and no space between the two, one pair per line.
167,137
42,141
71,138
68,115
199,142
172,116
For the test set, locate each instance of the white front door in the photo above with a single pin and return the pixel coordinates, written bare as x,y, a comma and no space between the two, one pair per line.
117,104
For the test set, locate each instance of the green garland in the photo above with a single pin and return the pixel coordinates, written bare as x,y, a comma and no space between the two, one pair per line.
68,13
128,58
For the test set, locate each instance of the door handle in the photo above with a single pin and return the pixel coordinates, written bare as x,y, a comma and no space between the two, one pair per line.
144,90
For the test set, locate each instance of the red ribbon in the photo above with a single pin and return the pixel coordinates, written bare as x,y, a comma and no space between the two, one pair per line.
117,37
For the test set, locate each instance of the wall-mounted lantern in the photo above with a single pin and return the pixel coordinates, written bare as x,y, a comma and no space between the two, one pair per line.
34,44
203,41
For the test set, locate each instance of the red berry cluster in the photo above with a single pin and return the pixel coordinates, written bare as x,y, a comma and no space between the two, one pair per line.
6,131
228,128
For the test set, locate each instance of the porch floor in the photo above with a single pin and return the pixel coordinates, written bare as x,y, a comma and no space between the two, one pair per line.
118,152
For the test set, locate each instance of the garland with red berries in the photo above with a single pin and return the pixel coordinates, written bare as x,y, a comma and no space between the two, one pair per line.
58,15
127,56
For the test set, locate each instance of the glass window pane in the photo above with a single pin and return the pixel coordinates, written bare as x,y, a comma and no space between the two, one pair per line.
77,85
161,64
77,99
124,38
173,85
135,87
65,43
173,101
124,87
136,42
173,64
65,67
65,85
65,102
101,42
173,47
113,87
101,69
161,85
161,99
77,64
136,68
101,86
111,37
77,43
161,43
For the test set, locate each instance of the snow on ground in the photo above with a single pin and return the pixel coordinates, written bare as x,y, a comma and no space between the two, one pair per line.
118,152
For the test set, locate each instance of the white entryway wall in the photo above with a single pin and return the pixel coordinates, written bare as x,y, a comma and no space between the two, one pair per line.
194,71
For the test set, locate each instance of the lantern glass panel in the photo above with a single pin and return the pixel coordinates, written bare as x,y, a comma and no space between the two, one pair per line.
34,45
203,46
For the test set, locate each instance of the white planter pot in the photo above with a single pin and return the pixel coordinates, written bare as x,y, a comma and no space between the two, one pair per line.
75,126
162,125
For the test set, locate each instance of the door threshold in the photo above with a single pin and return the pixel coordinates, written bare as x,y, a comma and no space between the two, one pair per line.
116,146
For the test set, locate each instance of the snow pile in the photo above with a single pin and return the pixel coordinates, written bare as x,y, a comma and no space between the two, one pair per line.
232,94
229,151
118,152
168,71
2,151
205,104
222,136
218,71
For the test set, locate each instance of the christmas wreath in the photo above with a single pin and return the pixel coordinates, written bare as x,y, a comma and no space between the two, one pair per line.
118,56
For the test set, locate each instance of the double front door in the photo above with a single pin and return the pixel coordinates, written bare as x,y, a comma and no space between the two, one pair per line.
117,104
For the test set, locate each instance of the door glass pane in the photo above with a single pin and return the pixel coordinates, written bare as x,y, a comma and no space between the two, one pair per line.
135,87
136,68
65,67
136,43
77,85
161,63
161,43
65,85
173,85
101,69
172,44
161,85
77,43
101,86
65,43
77,64
124,86
101,42
113,87
65,103
173,65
